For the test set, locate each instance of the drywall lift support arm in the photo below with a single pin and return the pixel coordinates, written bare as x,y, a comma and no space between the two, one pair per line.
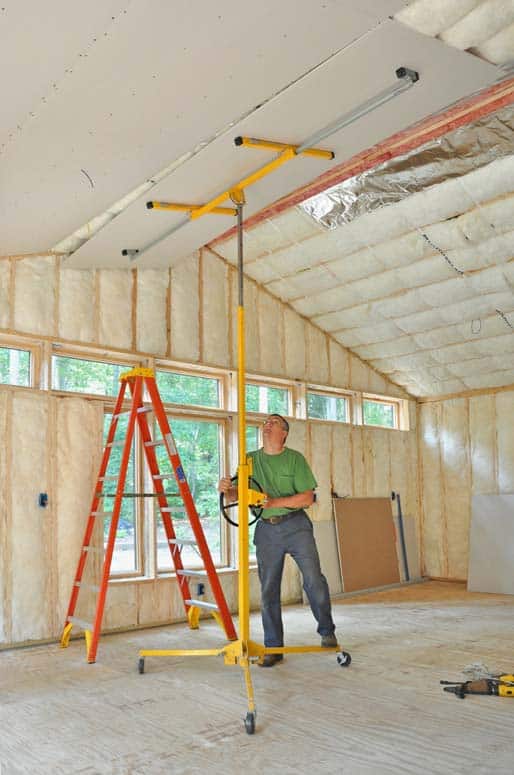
244,651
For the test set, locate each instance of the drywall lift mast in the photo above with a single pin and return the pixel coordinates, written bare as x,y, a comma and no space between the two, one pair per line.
243,651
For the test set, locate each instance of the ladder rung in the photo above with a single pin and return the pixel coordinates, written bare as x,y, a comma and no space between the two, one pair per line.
94,587
163,476
192,573
202,604
80,623
154,443
108,478
119,443
101,513
182,541
97,549
140,410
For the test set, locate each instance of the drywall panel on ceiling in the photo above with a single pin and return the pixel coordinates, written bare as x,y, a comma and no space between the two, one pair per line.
293,116
491,558
121,109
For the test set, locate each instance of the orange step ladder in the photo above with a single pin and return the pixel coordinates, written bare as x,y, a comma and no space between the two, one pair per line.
137,380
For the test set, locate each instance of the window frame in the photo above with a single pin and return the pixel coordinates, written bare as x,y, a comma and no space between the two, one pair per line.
35,361
396,403
270,383
330,393
115,360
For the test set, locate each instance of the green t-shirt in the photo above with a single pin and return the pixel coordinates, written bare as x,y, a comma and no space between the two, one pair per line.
287,473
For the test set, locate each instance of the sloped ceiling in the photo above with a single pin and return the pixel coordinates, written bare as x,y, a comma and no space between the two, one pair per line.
122,102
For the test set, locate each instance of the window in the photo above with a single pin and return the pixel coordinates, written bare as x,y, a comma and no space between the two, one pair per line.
199,446
14,366
382,413
266,399
325,406
125,555
188,389
86,376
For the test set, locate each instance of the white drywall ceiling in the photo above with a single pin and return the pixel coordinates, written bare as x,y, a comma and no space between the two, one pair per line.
129,95
314,101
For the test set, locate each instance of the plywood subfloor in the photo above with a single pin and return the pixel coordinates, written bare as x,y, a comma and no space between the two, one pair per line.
384,714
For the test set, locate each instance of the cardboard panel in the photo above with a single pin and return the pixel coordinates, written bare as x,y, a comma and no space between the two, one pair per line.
367,543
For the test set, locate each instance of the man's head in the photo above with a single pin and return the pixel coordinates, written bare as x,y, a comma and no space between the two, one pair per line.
275,429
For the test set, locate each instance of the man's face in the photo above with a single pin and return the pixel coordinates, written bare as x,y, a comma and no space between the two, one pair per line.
273,430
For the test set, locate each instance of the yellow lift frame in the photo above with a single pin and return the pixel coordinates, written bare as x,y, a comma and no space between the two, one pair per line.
243,651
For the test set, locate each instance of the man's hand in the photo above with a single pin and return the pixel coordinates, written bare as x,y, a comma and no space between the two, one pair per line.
226,486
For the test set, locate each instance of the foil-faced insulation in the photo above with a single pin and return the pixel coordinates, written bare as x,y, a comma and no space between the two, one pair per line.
466,149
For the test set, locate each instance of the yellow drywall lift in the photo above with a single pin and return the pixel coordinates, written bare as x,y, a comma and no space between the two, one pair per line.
242,651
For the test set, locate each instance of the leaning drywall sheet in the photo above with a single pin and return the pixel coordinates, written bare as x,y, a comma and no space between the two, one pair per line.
78,456
505,434
5,283
185,310
482,445
434,533
116,308
77,305
491,558
152,313
215,314
326,541
367,543
454,444
32,549
34,296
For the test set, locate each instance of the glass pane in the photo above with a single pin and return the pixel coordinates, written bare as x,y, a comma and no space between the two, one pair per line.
198,444
124,558
188,389
325,407
81,376
14,367
377,413
267,400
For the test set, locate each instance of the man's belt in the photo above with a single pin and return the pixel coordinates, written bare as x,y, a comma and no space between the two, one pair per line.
282,517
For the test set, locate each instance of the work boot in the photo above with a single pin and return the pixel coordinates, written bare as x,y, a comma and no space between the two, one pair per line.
329,641
270,659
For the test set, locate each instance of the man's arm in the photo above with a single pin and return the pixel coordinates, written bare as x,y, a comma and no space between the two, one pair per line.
301,500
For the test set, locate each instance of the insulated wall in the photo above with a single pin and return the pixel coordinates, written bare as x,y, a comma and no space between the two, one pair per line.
52,442
466,447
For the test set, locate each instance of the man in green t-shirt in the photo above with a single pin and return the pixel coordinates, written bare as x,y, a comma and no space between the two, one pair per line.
285,528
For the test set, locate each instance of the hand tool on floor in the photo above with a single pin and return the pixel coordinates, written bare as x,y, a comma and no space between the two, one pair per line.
500,686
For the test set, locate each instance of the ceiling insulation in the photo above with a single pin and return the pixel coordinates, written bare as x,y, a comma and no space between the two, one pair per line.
412,268
482,27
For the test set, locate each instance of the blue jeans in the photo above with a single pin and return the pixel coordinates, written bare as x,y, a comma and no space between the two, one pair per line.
293,536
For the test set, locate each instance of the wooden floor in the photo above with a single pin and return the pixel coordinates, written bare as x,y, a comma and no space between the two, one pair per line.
386,713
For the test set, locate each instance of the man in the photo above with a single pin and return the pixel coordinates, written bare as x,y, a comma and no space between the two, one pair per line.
285,528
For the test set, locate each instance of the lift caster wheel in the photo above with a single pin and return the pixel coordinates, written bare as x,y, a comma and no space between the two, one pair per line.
344,659
141,665
250,723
